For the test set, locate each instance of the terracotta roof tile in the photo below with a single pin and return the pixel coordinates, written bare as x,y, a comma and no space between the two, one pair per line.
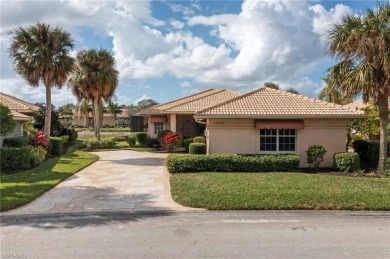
267,102
194,101
16,104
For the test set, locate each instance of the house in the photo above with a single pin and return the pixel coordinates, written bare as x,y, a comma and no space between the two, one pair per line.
178,115
269,121
21,112
122,119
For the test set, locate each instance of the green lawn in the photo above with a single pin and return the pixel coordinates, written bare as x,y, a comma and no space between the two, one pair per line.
21,188
269,191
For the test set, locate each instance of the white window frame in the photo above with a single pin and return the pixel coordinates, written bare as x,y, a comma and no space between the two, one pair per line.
277,142
157,127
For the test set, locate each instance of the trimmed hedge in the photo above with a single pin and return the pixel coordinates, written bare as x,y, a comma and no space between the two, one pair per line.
73,135
37,155
368,151
186,143
199,139
197,148
16,142
232,163
346,161
93,143
142,138
57,146
14,159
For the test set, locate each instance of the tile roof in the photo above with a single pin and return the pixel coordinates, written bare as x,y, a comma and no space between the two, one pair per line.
270,103
18,105
193,103
359,104
19,116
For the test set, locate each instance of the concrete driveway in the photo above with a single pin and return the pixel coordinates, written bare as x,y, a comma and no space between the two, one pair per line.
119,181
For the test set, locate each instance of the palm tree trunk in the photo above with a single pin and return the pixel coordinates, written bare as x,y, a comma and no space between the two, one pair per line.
96,116
48,113
383,106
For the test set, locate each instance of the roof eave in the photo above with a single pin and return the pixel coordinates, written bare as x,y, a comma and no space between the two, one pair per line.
273,116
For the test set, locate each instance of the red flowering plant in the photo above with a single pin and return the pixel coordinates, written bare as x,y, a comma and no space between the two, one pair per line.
40,139
171,141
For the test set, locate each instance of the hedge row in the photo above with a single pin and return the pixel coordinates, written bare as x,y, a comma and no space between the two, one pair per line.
14,159
232,163
105,129
93,143
15,142
368,151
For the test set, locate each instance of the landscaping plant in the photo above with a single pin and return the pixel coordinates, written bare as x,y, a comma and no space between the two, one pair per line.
171,141
315,156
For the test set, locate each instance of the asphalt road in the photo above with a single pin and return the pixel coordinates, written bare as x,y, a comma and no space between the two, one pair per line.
298,234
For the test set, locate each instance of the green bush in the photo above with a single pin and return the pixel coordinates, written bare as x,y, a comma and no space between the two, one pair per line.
14,159
37,155
346,161
73,135
368,151
56,146
16,142
132,140
232,163
65,138
373,153
162,134
197,148
93,143
315,156
142,138
361,148
199,140
153,142
186,143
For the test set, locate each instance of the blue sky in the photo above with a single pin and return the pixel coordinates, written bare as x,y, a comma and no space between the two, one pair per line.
167,49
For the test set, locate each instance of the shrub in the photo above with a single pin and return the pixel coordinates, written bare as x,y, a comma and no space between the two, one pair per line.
153,142
73,135
40,139
315,156
373,153
142,138
56,146
37,155
232,163
65,138
186,143
368,151
171,141
346,161
162,134
199,140
93,143
7,122
15,142
197,148
14,159
361,148
132,140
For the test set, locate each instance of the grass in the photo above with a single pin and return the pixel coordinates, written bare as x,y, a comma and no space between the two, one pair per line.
120,145
21,188
279,191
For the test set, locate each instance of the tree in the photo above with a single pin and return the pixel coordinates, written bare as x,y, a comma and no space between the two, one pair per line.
271,85
40,53
40,119
65,111
292,90
94,78
362,44
7,122
146,103
333,94
113,108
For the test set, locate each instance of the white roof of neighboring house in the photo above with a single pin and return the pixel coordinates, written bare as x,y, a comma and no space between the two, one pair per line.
270,103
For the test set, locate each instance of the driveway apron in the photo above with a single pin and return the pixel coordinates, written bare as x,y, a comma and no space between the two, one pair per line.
119,181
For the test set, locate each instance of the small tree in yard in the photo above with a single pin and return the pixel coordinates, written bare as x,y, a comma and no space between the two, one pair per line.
315,156
7,123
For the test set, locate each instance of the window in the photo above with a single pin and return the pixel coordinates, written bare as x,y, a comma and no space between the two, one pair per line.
277,140
158,126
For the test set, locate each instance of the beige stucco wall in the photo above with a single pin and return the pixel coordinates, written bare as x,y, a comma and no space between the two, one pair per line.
229,136
167,125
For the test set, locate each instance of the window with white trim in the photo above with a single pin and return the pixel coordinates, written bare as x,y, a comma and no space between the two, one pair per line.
158,126
278,140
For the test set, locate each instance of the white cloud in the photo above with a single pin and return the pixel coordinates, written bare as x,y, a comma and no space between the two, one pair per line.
185,84
323,18
143,97
176,24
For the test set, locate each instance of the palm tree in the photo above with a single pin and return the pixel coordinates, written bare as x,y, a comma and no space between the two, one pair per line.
113,108
333,94
94,78
362,44
83,107
41,53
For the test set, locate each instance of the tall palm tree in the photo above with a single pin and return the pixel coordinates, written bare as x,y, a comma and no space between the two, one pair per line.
362,44
113,108
94,78
40,53
333,94
83,107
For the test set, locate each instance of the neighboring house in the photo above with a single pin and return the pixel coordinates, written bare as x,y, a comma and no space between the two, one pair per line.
269,121
178,115
359,104
21,111
122,119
